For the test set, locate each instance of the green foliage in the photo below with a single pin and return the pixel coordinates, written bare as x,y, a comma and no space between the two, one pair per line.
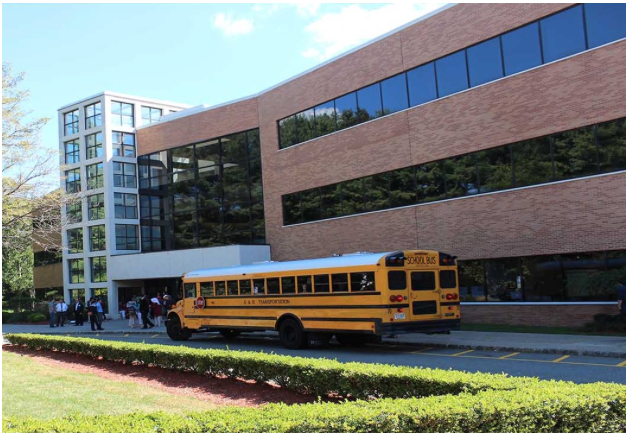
36,317
392,399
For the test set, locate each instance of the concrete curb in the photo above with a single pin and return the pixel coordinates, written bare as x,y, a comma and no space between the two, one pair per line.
402,342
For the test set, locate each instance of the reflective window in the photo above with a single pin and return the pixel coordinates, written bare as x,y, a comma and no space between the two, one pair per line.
502,280
542,279
96,207
97,239
232,288
533,162
272,286
325,115
522,48
150,115
461,176
73,180
287,132
95,176
75,240
259,286
122,114
430,181
346,110
77,270
485,62
125,205
574,153
447,279
562,34
99,269
472,281
74,212
402,187
93,115
93,145
451,74
305,126
184,230
207,289
123,144
291,209
369,103
352,197
606,22
394,94
124,175
331,201
311,204
611,141
221,288
71,122
495,169
245,287
304,284
377,192
72,152
422,84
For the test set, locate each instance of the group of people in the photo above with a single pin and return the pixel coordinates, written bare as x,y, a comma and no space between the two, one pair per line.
58,311
142,310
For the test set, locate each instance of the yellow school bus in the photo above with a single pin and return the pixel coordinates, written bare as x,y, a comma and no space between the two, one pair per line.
356,297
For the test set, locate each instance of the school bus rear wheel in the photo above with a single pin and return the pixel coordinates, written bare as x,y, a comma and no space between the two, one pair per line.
291,335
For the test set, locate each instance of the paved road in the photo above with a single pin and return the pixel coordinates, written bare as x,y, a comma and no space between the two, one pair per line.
575,368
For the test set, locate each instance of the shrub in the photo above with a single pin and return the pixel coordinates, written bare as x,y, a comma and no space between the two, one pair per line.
36,317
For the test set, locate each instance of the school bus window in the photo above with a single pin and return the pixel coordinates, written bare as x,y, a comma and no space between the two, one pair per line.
321,283
259,287
207,289
339,282
273,286
245,287
190,290
232,288
423,280
397,280
288,285
305,284
362,281
220,288
447,279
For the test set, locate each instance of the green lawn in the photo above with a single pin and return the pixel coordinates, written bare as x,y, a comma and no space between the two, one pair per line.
35,390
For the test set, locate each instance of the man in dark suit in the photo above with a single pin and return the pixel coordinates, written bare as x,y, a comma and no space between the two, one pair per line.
78,312
144,309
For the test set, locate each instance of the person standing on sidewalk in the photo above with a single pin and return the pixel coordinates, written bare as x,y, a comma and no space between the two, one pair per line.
621,296
100,312
62,309
51,311
144,309
78,312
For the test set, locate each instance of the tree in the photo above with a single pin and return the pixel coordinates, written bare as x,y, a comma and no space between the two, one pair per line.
30,196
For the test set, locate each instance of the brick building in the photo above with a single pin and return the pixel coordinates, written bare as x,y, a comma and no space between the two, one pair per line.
494,132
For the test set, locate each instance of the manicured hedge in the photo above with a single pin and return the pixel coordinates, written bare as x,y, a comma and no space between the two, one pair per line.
438,400
545,407
320,377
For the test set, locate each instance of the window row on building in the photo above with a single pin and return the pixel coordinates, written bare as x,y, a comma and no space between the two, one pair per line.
121,114
123,145
563,34
79,293
124,175
44,258
589,276
581,152
127,238
204,194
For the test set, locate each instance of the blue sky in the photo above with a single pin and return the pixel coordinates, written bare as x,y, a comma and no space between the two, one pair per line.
187,53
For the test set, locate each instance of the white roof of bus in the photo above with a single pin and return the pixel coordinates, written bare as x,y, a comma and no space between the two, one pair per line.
346,260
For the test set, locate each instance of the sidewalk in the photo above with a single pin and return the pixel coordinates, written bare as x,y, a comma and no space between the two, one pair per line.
593,345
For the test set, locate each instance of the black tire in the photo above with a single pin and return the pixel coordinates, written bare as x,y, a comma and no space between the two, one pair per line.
352,339
292,335
175,331
230,333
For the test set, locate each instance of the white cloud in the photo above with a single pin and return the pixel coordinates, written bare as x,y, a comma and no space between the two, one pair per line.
307,9
334,33
232,27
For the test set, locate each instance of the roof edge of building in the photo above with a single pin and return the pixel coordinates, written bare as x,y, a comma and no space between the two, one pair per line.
121,95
